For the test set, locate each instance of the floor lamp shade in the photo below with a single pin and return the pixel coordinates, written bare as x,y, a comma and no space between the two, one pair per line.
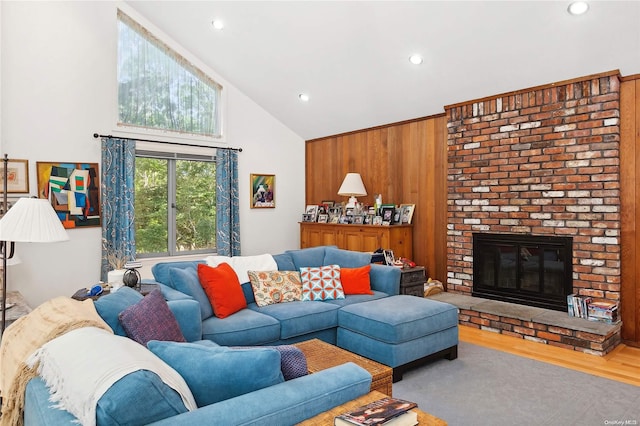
32,220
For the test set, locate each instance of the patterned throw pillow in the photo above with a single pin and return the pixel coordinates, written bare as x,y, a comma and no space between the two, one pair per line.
151,319
271,287
321,283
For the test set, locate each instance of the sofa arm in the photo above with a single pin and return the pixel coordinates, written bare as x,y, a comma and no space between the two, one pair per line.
187,313
385,278
286,403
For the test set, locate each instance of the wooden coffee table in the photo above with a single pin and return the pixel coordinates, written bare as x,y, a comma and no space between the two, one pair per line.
326,418
321,355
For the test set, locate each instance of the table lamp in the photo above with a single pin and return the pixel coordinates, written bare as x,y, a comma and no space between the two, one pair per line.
30,220
352,187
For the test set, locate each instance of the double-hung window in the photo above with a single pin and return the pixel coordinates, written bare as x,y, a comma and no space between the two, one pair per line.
175,203
162,93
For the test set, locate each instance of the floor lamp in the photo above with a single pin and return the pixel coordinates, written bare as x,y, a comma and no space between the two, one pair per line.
30,220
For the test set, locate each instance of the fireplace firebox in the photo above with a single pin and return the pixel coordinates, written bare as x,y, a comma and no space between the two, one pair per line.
524,269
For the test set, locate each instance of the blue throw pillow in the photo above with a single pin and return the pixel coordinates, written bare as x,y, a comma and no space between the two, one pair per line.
187,281
139,398
110,306
217,373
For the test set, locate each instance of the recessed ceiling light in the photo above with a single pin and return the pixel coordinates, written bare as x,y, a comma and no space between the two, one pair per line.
217,24
578,7
303,97
415,59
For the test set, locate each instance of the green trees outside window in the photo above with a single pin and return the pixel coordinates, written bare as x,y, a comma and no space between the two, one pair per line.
175,206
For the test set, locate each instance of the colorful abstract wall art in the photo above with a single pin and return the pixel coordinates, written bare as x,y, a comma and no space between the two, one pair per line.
73,190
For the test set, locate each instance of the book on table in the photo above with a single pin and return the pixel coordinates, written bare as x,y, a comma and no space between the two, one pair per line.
386,411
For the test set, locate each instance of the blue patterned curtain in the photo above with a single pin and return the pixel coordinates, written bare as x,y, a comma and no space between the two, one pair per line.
117,199
227,203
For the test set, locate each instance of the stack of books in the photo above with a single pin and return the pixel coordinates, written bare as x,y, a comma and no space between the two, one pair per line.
604,311
386,411
132,264
586,307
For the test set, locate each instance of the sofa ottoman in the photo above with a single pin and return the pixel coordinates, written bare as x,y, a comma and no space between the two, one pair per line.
399,331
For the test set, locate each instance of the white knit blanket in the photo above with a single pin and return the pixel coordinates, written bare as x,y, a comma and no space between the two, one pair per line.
242,264
81,365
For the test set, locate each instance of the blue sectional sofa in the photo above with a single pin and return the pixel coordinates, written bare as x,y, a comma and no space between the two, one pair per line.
417,329
396,330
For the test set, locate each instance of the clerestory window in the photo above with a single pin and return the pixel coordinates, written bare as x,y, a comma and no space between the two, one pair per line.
159,90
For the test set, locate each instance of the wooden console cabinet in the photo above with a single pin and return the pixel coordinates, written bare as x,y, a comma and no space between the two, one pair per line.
368,238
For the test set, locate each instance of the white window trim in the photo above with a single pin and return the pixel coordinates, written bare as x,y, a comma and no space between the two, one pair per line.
133,132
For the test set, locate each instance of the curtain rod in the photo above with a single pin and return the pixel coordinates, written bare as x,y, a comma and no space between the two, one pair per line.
95,135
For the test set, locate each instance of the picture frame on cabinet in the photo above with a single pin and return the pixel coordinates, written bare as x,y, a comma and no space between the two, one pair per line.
306,217
358,219
397,216
334,219
312,209
328,203
407,213
387,211
323,218
377,220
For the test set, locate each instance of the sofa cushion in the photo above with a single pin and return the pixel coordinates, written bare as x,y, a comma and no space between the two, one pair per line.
245,327
151,319
271,287
321,283
110,306
160,270
346,258
186,281
356,280
138,398
284,262
223,289
398,319
299,318
312,256
217,373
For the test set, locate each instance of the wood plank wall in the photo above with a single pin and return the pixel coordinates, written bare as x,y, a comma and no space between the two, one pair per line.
405,162
630,208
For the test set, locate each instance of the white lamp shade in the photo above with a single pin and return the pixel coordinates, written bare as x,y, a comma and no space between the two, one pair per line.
32,220
352,186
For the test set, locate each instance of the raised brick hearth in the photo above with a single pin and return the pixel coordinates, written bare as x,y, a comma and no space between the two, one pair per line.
542,161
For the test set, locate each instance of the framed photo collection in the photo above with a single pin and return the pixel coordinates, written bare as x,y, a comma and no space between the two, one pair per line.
328,211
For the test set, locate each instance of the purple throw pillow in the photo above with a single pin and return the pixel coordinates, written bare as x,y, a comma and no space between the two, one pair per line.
151,319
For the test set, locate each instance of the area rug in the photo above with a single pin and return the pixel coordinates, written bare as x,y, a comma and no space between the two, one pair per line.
488,387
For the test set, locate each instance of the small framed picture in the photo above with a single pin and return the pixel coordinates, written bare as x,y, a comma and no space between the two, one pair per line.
323,218
387,213
328,203
368,219
312,209
17,176
306,217
397,214
334,219
377,220
389,258
407,213
263,191
358,219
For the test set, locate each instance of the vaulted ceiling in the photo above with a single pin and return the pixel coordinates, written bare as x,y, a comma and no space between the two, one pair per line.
351,57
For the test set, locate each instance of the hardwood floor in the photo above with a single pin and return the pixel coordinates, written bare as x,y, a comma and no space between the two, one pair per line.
621,364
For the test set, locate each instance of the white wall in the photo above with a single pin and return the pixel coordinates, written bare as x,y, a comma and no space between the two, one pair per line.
58,87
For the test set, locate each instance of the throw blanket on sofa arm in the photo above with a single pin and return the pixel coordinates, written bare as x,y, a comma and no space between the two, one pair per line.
51,319
78,382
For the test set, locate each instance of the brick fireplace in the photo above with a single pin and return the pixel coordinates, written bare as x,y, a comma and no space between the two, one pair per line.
543,161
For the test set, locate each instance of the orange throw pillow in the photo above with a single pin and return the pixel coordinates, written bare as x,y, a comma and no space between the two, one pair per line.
356,280
222,288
